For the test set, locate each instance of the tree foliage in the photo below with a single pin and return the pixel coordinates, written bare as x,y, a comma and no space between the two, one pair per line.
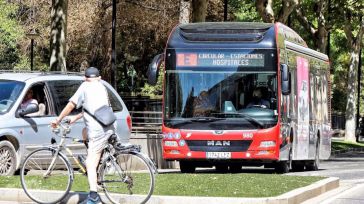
10,33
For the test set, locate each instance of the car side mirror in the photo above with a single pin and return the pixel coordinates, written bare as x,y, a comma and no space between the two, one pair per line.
153,69
31,108
285,80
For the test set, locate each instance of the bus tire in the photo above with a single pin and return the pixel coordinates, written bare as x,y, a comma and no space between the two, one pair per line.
222,168
187,167
282,167
315,164
298,166
235,168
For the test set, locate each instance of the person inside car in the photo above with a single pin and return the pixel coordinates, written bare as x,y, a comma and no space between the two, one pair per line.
28,99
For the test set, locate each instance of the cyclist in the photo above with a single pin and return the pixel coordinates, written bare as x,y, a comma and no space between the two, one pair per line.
91,95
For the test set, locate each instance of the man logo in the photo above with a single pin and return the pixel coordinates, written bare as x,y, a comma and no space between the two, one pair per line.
218,143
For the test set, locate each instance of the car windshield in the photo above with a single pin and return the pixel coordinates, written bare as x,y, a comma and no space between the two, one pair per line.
9,93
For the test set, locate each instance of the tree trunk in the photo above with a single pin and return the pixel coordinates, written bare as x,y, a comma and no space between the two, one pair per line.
355,43
58,35
265,10
199,9
352,99
287,8
319,34
184,11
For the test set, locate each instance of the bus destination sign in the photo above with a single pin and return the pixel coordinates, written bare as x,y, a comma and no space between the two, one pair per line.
220,60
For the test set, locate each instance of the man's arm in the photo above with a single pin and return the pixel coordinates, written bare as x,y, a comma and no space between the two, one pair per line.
66,111
76,117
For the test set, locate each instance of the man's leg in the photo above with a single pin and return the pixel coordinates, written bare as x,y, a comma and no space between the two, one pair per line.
84,137
92,162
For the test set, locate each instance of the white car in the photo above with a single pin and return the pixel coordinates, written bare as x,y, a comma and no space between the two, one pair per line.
23,130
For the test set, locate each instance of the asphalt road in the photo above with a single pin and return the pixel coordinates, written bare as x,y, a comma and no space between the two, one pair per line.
349,167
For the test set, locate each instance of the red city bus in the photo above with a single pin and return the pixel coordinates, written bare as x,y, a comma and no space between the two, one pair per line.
238,94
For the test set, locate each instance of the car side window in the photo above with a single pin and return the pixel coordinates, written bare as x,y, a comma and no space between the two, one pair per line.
62,91
36,94
115,103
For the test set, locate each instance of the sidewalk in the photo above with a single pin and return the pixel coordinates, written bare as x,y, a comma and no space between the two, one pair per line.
296,196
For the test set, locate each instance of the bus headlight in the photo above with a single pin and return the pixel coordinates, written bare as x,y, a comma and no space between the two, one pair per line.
170,135
182,143
267,144
177,135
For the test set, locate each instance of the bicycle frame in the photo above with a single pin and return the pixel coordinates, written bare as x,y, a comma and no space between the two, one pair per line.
58,150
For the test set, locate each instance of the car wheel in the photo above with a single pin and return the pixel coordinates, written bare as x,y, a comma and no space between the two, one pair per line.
7,158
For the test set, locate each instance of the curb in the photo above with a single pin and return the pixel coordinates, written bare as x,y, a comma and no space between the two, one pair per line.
295,196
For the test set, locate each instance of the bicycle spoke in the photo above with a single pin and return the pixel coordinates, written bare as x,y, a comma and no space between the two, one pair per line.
35,181
128,180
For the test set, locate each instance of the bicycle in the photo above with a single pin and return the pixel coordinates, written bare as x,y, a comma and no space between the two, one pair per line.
124,173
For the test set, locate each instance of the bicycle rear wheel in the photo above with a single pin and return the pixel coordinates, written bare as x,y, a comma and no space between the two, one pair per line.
127,179
43,188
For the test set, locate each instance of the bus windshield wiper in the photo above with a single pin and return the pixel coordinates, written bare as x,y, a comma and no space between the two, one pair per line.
206,119
248,118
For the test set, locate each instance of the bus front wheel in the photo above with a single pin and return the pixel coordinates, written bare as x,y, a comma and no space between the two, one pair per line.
187,167
315,164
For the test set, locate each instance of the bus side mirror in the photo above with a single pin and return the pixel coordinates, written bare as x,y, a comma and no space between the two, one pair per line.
153,69
285,80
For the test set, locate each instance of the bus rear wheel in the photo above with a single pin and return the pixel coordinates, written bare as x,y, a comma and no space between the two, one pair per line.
187,167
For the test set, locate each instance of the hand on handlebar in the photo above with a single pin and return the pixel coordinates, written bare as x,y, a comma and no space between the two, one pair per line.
56,122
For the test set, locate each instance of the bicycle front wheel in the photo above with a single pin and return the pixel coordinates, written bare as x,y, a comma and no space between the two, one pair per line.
127,178
42,182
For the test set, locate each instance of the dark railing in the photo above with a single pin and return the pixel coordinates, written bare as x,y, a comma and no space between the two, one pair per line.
338,121
146,122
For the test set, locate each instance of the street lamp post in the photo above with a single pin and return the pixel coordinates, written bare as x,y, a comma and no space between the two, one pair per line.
32,35
359,82
225,9
113,51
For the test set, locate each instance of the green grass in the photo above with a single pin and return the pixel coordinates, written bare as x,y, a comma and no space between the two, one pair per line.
342,145
224,185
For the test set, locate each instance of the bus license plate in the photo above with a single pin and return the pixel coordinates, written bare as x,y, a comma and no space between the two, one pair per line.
218,155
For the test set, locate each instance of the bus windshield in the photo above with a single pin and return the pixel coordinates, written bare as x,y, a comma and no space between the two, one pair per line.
220,100
211,98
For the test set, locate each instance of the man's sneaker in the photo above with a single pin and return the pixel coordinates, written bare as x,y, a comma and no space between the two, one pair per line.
90,200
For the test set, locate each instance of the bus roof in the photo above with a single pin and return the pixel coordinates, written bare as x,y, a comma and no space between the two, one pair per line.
232,34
